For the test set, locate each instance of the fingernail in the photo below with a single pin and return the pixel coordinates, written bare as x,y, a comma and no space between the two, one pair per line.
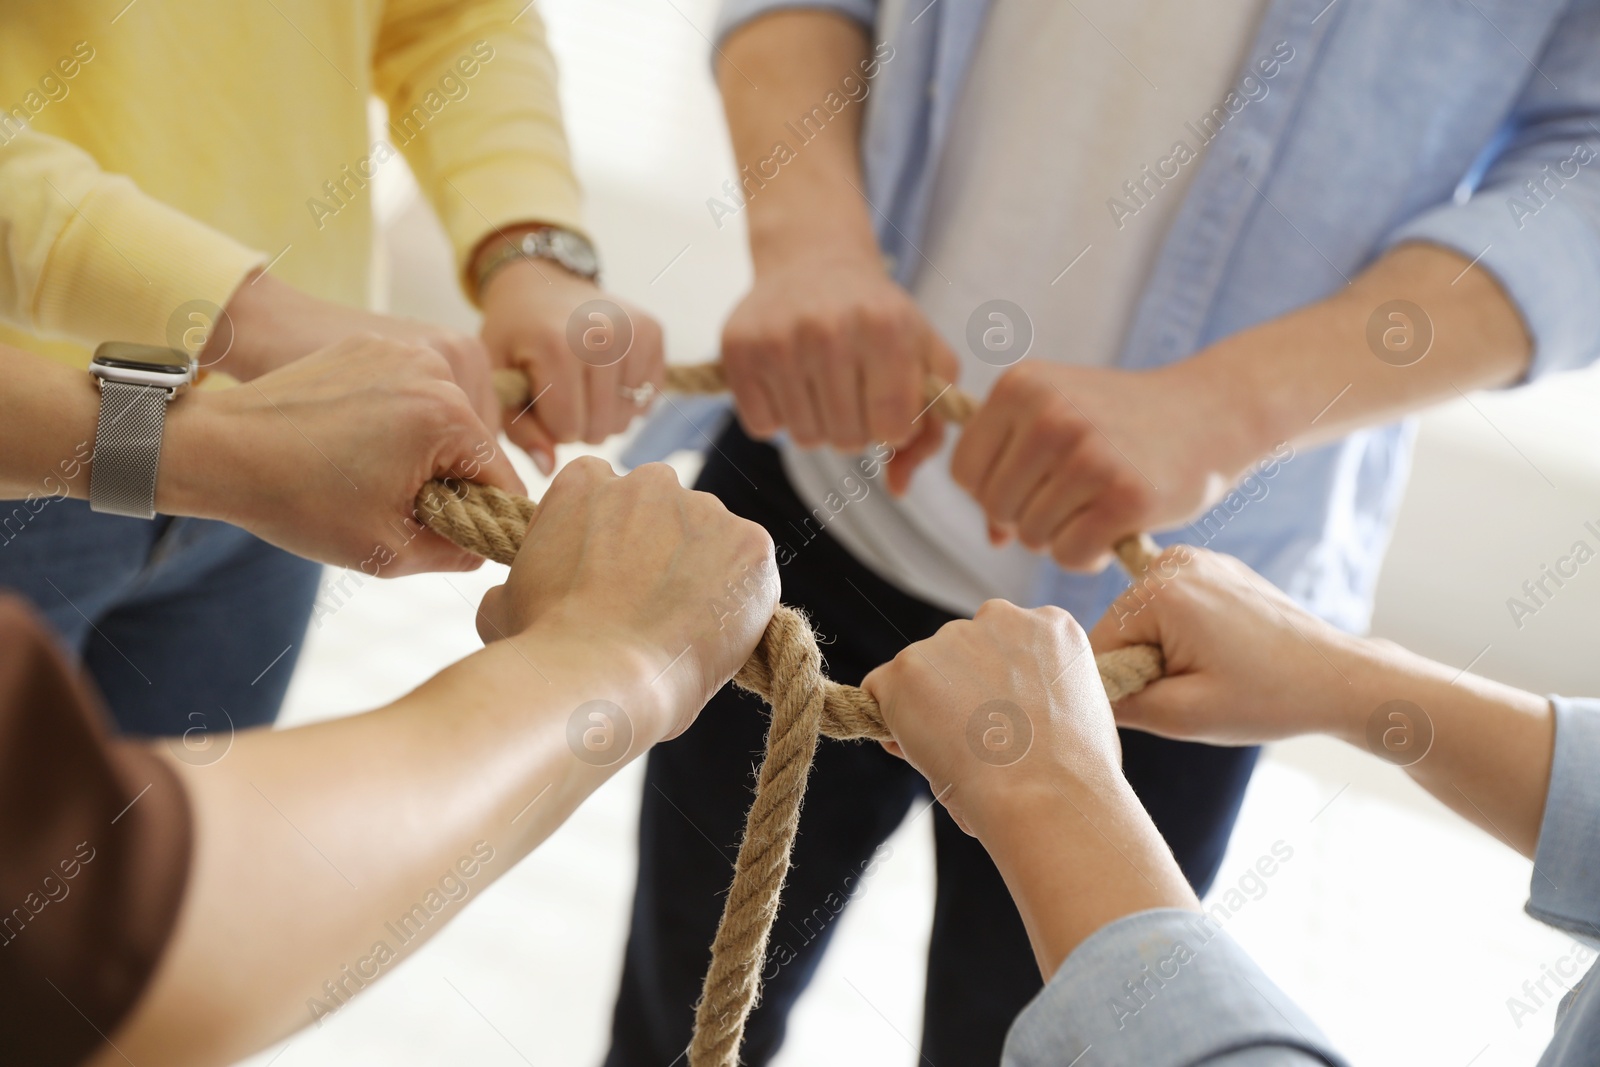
545,462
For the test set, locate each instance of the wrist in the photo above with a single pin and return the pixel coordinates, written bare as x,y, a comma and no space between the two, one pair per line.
778,252
531,281
493,244
505,249
261,328
996,805
195,470
820,231
1233,389
1077,857
1380,673
598,663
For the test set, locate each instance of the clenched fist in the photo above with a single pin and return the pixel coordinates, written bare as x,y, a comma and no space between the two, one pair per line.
837,354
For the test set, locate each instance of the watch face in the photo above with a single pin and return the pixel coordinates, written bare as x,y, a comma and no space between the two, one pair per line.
130,364
150,359
573,251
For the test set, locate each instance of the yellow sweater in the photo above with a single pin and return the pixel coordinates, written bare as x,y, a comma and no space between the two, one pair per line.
153,155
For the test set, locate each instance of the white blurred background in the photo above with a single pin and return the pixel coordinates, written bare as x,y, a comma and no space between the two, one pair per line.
1396,926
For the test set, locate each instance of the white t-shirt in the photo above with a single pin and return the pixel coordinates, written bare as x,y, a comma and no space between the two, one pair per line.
1050,195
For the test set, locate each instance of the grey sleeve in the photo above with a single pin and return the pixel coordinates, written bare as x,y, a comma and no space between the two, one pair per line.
1164,988
1566,867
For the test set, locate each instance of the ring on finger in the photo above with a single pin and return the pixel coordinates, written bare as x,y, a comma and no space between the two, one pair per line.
639,394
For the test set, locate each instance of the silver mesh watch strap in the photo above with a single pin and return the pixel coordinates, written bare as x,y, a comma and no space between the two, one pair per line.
127,449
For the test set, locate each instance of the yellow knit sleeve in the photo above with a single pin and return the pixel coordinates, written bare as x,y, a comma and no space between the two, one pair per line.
471,89
88,257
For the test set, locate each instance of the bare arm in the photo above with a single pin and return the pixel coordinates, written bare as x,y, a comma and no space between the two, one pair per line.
1006,718
773,71
1461,332
325,854
1150,450
825,345
336,849
323,457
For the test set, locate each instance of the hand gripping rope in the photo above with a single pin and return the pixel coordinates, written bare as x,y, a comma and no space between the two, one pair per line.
785,670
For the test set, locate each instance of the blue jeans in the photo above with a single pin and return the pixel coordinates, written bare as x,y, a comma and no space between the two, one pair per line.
173,618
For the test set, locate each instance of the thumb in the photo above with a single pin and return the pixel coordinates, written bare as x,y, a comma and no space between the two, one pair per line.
489,629
941,361
1167,707
910,456
478,457
528,434
1130,620
498,472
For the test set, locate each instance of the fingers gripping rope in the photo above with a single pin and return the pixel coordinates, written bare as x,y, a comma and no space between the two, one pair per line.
785,670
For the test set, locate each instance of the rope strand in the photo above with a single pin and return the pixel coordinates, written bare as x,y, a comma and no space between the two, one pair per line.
785,670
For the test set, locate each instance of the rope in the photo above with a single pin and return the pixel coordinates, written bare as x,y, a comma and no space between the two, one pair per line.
786,671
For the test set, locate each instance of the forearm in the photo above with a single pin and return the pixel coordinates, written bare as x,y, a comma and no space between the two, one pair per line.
48,417
1078,857
314,846
268,323
1341,364
1482,748
806,198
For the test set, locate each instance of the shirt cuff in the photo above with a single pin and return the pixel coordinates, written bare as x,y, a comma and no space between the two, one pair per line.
1162,988
127,263
1540,271
1566,867
735,13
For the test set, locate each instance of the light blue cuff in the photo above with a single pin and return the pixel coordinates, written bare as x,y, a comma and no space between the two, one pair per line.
1566,867
736,13
1542,266
678,424
1163,988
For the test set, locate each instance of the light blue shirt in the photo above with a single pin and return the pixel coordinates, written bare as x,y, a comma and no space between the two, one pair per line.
1389,109
1166,989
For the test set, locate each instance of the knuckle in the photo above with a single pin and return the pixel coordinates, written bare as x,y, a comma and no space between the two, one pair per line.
772,355
655,475
1014,385
814,328
1067,550
428,361
1129,493
882,322
444,405
587,469
1060,618
1054,614
755,543
894,399
1055,430
1033,533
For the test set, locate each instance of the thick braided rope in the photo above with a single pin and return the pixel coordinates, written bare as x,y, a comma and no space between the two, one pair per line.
785,670
946,401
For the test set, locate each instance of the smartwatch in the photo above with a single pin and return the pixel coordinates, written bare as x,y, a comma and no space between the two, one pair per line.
561,247
137,382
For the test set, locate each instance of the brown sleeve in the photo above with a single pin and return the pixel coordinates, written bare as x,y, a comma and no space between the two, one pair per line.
95,839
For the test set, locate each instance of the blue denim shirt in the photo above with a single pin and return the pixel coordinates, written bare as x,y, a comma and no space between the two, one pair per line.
1389,114
1167,989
